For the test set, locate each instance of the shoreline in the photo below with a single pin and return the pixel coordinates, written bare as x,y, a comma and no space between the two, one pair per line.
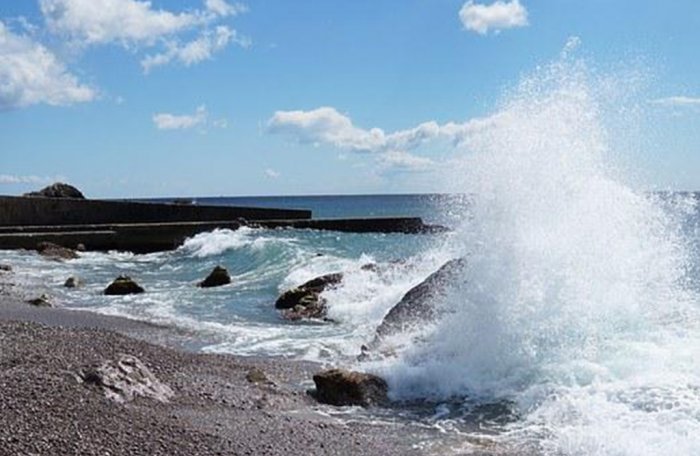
216,408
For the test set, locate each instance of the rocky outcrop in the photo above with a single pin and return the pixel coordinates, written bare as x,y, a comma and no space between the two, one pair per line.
42,301
58,190
305,301
55,251
418,304
124,379
123,285
217,277
72,282
343,387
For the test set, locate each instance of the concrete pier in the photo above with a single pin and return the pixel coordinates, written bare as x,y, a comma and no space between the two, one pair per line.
33,211
150,227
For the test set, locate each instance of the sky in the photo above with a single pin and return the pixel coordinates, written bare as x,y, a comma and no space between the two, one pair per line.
129,98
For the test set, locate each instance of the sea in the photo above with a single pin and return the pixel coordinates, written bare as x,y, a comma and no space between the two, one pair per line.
574,328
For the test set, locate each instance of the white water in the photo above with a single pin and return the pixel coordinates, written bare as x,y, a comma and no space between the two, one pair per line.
575,305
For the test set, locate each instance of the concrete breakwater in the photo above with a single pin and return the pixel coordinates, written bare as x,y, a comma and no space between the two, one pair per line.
143,227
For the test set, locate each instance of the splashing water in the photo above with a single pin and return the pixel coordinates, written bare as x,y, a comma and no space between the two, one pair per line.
575,305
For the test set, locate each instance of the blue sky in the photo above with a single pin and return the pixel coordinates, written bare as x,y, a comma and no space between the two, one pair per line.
210,97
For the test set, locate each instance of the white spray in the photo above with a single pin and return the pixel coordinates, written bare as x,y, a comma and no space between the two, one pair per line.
574,305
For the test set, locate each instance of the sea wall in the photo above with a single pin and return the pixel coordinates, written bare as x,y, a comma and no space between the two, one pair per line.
33,211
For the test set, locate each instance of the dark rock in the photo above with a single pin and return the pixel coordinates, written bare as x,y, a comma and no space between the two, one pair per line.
123,285
217,277
124,379
55,251
58,190
343,387
305,301
72,282
5,268
41,301
418,304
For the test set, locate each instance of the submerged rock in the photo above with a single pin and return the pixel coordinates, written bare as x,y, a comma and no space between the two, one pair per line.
305,301
42,301
58,190
123,285
217,277
343,387
124,379
72,282
55,251
5,268
418,304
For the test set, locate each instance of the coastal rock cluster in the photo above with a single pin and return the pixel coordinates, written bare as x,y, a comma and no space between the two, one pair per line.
58,190
123,285
305,301
343,387
217,277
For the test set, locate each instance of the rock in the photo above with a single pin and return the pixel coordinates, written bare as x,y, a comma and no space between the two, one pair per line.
58,190
218,276
418,304
42,301
123,285
343,387
72,282
305,301
5,268
124,379
55,251
256,375
80,247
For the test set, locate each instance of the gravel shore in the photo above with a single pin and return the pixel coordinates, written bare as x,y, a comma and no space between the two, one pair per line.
218,407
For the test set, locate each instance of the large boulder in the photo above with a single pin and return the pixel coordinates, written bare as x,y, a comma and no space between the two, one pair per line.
125,378
123,285
418,304
343,387
58,190
305,301
55,251
217,277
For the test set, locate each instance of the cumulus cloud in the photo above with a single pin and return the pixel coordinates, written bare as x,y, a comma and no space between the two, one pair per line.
481,18
678,101
271,173
198,50
167,121
327,126
31,74
136,24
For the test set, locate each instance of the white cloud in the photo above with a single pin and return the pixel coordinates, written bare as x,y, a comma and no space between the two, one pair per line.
271,173
221,8
166,121
31,74
198,50
497,16
105,21
6,179
406,161
393,150
136,24
678,101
